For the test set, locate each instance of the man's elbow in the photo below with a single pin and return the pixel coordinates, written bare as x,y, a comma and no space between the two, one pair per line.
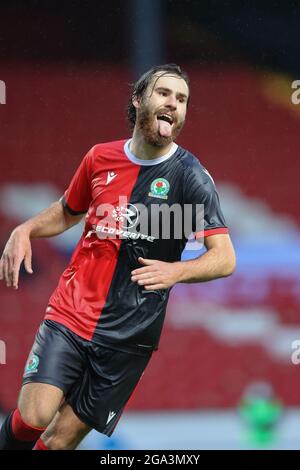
71,220
229,266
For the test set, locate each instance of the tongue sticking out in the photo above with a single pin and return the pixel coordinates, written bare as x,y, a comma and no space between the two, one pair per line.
164,128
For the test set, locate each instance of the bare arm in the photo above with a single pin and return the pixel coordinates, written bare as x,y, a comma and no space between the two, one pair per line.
48,223
218,261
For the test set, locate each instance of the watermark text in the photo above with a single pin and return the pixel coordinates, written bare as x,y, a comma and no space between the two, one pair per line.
295,97
2,92
2,352
296,353
152,222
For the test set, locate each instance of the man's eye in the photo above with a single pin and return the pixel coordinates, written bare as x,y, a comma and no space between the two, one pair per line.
163,93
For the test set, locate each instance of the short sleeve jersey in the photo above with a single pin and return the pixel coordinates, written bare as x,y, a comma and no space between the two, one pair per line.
133,208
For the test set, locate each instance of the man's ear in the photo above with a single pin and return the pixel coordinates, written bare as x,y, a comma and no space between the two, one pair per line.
136,102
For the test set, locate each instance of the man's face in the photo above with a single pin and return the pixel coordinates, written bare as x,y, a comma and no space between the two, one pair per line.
162,110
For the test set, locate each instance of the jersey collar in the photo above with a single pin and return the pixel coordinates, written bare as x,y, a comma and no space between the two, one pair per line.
154,161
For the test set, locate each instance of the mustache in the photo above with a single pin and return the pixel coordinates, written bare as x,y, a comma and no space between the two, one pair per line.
146,116
167,111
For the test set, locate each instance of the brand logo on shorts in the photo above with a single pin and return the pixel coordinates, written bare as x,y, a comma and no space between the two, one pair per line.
111,415
159,188
32,364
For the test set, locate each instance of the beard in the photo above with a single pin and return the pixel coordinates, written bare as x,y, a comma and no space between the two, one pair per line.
147,126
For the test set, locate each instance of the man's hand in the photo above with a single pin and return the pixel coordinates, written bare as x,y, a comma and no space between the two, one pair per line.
218,261
156,274
17,249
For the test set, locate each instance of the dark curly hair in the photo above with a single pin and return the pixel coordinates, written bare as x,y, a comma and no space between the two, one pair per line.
141,85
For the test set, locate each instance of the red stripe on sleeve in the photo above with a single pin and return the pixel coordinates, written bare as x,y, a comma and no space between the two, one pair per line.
212,231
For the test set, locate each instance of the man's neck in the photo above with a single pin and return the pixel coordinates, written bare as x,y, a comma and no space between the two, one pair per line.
145,151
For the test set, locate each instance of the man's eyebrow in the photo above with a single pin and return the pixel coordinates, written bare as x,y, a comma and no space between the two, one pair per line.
162,88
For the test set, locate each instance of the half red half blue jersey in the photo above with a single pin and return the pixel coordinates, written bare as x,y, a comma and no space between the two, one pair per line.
95,296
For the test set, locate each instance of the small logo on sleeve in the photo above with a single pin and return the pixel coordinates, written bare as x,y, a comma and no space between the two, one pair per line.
32,364
110,176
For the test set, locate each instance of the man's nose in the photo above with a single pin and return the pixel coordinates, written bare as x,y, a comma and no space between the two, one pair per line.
171,101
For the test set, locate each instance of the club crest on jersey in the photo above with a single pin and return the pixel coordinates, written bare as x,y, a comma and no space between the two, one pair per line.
159,188
32,364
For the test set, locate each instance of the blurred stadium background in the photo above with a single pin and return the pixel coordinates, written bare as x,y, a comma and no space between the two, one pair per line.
223,376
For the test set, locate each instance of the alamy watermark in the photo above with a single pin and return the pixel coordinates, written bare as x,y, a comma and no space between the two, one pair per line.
2,92
125,220
2,352
295,357
295,97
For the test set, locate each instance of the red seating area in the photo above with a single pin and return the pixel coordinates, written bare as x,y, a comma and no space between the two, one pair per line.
54,114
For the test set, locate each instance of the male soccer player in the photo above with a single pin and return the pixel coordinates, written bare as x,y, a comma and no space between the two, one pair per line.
105,317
